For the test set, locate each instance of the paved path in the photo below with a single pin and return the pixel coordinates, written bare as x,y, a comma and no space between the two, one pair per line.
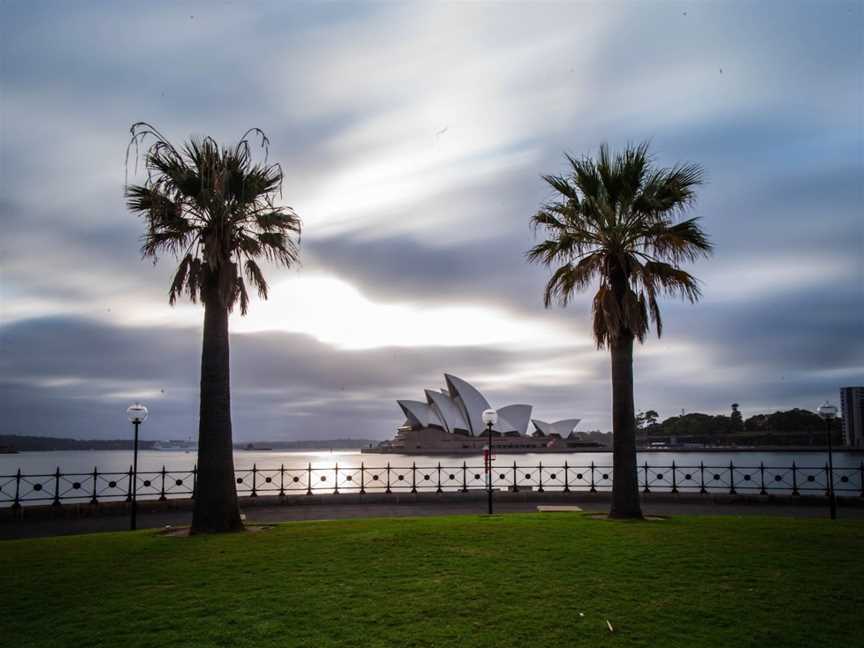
276,513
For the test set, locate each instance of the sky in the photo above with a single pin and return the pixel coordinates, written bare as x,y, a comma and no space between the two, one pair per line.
413,138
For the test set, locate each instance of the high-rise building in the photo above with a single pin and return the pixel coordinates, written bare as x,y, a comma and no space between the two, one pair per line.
852,410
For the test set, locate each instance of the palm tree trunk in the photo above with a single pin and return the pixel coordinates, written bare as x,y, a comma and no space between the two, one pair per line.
216,497
625,485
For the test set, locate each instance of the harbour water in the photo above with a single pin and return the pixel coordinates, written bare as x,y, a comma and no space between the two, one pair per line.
149,460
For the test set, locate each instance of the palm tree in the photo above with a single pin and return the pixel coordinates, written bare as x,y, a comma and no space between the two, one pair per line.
213,208
613,219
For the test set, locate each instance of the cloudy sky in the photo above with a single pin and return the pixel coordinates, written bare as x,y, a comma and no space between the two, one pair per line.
413,137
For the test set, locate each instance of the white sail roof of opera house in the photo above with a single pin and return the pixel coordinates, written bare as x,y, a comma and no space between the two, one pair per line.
419,414
473,402
563,427
448,411
515,418
459,409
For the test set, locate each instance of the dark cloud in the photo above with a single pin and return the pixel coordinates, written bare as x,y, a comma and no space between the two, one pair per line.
284,385
491,270
785,334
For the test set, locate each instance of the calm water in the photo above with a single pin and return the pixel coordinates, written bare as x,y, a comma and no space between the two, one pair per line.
151,460
301,472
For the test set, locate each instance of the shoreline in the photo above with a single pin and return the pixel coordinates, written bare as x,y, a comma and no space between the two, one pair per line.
516,451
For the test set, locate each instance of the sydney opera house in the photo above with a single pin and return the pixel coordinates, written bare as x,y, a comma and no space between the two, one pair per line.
450,420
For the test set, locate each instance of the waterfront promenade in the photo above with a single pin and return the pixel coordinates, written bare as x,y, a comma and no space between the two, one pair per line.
112,516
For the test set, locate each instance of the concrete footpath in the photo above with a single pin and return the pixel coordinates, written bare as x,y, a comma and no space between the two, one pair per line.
114,517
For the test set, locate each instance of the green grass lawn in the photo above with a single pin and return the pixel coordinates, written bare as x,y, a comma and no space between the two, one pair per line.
533,580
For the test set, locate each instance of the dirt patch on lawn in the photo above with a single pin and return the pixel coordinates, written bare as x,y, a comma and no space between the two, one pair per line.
645,518
169,531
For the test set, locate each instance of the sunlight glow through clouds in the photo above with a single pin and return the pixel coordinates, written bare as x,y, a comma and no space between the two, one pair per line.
336,313
332,311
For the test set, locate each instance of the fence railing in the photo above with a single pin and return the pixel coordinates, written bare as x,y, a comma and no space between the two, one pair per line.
58,487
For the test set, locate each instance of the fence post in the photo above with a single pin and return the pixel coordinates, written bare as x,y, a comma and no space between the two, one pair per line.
56,501
309,479
593,489
732,490
362,478
645,472
194,480
93,500
254,492
438,490
336,479
515,479
540,480
129,489
702,490
762,490
794,479
282,481
566,478
413,476
828,485
17,503
674,479
162,497
464,477
388,491
860,475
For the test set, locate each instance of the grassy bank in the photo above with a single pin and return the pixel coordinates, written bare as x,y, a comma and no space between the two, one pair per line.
516,580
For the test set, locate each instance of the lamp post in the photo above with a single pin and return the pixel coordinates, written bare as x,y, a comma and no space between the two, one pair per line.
490,418
137,414
828,411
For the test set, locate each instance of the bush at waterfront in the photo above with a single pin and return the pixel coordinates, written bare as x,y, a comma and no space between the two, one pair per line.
516,580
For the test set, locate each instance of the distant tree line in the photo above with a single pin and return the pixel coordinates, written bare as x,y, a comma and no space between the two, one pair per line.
603,438
696,424
25,443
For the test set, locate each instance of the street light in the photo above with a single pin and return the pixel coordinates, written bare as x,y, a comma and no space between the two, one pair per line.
490,418
137,414
827,411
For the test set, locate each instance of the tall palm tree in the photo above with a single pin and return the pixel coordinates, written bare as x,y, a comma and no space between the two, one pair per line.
214,209
613,219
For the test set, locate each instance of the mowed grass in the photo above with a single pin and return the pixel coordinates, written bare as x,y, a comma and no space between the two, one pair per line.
517,580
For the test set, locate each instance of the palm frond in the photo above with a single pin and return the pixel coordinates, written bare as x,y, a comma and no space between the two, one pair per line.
546,218
561,185
180,279
240,295
278,221
678,242
256,278
671,280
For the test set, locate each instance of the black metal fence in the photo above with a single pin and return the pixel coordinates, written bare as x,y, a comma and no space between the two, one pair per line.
94,487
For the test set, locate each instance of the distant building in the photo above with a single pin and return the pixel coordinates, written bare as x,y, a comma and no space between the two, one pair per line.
852,410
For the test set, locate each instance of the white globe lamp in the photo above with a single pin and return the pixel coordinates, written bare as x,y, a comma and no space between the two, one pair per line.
490,417
137,414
